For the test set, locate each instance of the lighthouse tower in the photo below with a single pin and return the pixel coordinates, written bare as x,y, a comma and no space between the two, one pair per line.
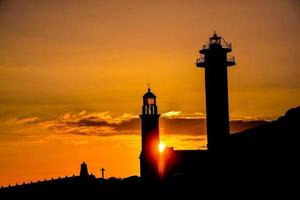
150,137
215,60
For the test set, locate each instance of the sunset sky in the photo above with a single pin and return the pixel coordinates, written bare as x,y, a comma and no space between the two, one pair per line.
73,73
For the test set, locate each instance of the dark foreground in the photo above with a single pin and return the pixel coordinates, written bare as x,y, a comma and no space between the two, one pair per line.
259,162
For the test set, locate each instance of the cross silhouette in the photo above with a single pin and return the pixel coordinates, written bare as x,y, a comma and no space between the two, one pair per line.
102,172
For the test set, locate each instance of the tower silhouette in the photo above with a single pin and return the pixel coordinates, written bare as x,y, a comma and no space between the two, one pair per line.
150,137
84,170
214,60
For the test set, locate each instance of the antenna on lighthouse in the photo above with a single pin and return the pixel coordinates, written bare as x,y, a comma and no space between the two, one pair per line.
148,85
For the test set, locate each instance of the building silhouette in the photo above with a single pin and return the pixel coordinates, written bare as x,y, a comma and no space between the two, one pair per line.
155,165
150,137
84,170
263,154
215,61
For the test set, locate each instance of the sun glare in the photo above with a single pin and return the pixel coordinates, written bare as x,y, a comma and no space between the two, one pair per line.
161,147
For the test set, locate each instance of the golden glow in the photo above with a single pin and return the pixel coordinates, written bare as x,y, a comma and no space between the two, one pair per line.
100,58
161,147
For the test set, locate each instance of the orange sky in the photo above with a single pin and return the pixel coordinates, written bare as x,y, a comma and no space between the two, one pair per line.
64,61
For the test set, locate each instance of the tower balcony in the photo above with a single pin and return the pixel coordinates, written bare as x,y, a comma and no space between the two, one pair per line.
201,62
230,60
226,46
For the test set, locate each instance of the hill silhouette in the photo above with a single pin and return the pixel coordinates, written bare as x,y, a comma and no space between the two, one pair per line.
273,145
261,159
285,128
268,155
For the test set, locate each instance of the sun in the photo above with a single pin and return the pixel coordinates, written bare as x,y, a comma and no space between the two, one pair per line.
161,147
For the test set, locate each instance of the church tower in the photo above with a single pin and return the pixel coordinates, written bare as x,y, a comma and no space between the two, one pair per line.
150,137
215,60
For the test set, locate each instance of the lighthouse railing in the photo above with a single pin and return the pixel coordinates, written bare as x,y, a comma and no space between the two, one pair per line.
230,58
225,45
200,60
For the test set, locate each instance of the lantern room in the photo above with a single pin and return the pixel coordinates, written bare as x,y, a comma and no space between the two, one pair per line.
149,103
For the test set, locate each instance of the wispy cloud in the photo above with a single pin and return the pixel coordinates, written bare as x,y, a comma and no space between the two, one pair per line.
177,129
171,114
23,120
106,117
81,123
106,124
181,115
88,123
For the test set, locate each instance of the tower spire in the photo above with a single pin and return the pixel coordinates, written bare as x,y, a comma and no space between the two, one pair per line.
148,86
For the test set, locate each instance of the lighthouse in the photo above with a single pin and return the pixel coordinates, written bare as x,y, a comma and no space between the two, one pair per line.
215,60
150,137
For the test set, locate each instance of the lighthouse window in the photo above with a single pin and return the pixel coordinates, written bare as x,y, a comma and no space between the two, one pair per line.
150,101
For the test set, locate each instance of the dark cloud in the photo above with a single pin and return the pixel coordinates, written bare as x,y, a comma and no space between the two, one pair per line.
133,124
90,122
104,124
178,126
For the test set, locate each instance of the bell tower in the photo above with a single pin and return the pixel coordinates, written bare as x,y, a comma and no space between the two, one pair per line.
150,137
215,60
